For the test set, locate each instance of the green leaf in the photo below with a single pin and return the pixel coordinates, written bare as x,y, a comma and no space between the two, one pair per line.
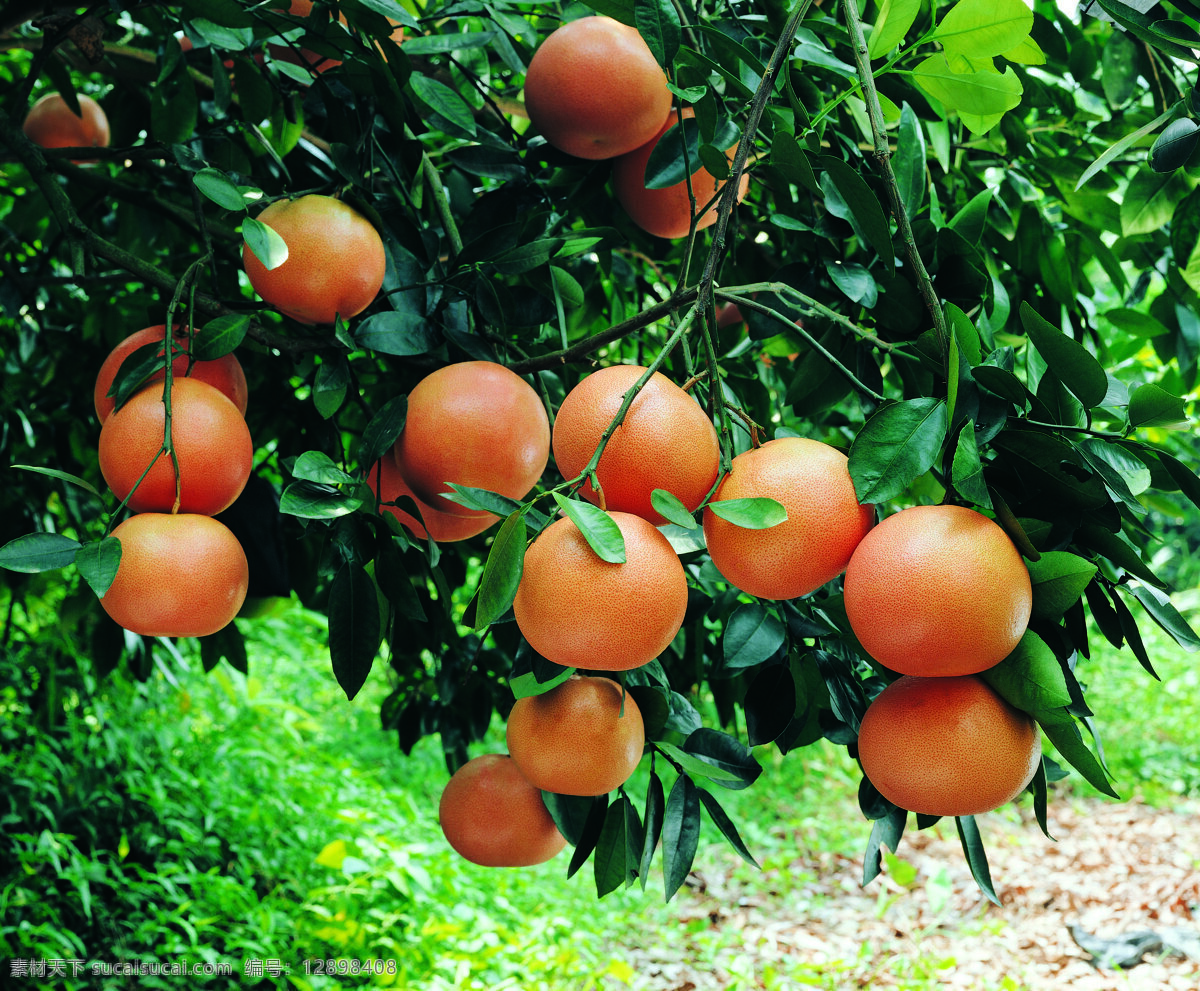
701,768
1061,730
98,562
681,833
972,844
752,634
353,627
1118,550
1030,678
1152,406
571,813
62,476
219,337
758,513
1148,203
1119,68
1124,475
657,22
589,836
855,281
527,257
980,93
971,220
671,509
317,466
526,685
330,385
1119,148
1059,579
36,552
909,161
1183,476
438,44
726,826
864,205
967,469
399,332
899,442
984,28
488,502
885,832
618,10
652,825
598,528
309,501
1175,145
666,168
1167,616
725,753
383,430
611,863
1075,365
135,369
769,704
219,188
895,18
502,572
444,101
266,244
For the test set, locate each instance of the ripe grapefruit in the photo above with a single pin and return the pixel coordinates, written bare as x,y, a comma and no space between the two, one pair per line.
947,746
666,212
211,441
594,90
442,527
938,591
180,575
50,123
813,545
579,611
224,373
335,260
574,739
666,441
477,424
493,817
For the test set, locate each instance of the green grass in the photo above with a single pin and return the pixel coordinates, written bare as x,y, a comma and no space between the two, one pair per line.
229,818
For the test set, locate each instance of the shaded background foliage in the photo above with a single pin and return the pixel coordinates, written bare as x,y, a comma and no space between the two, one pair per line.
1053,388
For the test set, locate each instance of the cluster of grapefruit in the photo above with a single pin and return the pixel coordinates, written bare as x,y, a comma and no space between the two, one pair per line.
176,457
594,90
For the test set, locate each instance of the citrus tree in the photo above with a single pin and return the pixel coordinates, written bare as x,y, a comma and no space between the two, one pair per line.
596,358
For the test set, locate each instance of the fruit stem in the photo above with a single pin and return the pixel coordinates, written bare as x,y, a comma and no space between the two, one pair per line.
883,157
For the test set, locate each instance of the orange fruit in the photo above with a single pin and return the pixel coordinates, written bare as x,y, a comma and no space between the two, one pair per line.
594,90
493,817
52,124
574,739
476,424
211,441
937,591
947,746
442,527
302,56
666,441
580,611
224,373
813,545
335,260
180,575
666,212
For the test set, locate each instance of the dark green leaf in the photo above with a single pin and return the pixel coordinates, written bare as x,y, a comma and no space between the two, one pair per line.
898,443
770,704
64,476
1175,145
671,509
855,281
681,833
98,562
864,207
652,825
1061,730
383,430
1130,632
526,257
967,469
137,367
1167,616
700,768
885,832
1119,551
598,528
1067,358
726,753
399,332
219,188
1152,406
571,813
353,627
435,44
220,336
395,583
909,161
330,385
752,634
444,101
753,514
489,502
502,572
589,835
611,864
1059,579
666,166
1181,475
726,826
36,552
1119,148
972,844
657,22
